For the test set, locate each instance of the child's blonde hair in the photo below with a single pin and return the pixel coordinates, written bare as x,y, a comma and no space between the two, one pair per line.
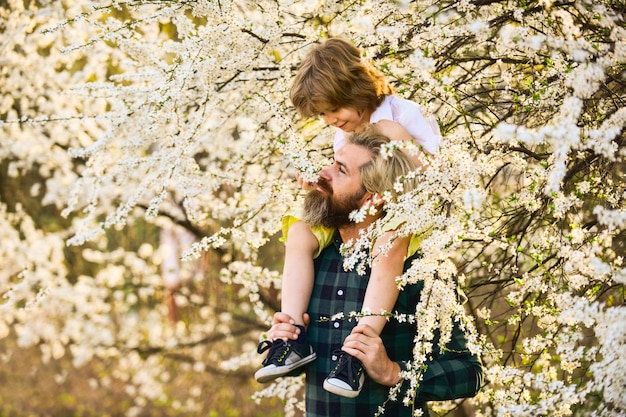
333,76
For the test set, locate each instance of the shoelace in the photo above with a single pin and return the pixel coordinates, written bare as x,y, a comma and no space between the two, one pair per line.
277,350
347,368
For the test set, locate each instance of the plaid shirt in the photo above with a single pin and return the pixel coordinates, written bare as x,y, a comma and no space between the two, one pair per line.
449,376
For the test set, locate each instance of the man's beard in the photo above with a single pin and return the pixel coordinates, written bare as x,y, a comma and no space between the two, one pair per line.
326,210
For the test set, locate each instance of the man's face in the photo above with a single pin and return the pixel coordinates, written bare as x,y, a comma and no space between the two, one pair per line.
339,189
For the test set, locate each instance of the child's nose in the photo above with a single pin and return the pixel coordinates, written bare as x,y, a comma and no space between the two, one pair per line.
329,119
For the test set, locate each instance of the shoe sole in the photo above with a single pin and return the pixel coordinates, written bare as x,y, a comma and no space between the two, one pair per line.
342,391
264,375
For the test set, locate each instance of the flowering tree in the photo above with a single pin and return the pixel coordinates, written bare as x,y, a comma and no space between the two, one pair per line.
174,116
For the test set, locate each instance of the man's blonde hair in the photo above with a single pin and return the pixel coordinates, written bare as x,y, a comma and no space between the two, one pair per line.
333,76
382,171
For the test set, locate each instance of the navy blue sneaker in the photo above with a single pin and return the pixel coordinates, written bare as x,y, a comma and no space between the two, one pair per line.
283,358
347,378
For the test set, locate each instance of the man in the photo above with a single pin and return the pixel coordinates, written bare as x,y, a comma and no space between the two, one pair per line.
352,180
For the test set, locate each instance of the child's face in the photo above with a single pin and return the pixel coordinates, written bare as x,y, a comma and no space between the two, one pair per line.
347,119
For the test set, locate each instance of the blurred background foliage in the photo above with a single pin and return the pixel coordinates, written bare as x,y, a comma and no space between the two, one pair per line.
36,380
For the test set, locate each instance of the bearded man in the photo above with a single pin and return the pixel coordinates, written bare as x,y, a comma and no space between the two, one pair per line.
358,174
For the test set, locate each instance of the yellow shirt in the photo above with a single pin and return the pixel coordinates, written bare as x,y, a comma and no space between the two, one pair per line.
324,235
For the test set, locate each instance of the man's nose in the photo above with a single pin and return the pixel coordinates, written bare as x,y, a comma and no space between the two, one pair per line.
324,174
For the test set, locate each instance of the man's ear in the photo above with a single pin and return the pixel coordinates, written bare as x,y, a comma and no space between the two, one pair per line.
372,200
376,199
367,198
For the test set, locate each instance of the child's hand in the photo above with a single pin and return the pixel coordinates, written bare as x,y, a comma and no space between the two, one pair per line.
305,185
391,129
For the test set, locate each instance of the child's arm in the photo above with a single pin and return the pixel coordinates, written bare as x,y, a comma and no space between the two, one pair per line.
298,271
395,131
382,292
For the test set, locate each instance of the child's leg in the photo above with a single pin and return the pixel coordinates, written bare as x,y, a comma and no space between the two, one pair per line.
285,356
298,271
382,292
348,376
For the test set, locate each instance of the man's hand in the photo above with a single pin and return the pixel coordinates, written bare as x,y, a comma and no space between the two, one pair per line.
284,327
365,345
